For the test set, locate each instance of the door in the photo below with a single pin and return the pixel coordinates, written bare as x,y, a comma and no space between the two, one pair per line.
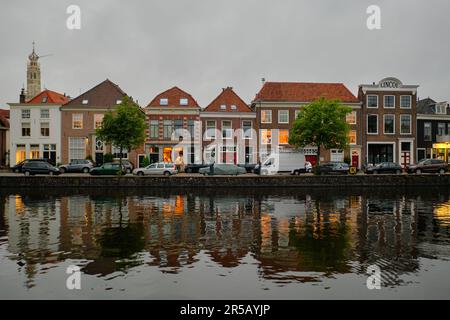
355,160
141,158
99,158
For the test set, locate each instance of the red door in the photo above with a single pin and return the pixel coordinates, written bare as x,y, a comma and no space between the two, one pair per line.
355,160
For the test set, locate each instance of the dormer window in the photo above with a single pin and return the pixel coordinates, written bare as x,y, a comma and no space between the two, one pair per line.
183,102
441,108
85,102
44,99
223,107
233,107
118,101
163,101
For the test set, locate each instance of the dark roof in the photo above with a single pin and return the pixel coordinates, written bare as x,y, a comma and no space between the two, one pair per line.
48,96
228,98
4,113
427,106
105,94
173,95
304,92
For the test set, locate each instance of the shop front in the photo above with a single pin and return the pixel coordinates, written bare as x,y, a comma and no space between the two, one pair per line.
380,152
441,149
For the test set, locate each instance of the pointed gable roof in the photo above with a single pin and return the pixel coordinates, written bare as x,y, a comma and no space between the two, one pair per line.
105,94
48,96
228,98
304,92
173,96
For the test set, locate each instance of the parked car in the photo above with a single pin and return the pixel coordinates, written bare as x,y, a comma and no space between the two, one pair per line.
194,167
249,167
18,167
283,161
429,166
165,168
306,169
110,168
39,167
77,166
333,168
222,169
127,165
384,167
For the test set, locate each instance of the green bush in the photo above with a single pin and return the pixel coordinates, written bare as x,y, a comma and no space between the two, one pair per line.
108,157
146,161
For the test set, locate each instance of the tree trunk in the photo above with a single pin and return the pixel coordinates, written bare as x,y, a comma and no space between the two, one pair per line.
120,159
318,155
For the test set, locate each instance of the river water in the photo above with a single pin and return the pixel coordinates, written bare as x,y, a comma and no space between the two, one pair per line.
219,244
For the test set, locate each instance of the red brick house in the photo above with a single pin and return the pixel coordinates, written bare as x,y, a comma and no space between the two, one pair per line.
277,105
173,118
229,134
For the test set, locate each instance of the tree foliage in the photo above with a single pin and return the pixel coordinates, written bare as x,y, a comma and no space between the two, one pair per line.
321,124
124,127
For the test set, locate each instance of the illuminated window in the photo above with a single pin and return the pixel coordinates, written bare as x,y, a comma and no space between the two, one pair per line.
21,153
77,121
352,137
98,120
283,136
351,117
266,136
34,151
266,116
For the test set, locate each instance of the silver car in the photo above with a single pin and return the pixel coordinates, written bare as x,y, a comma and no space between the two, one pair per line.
81,165
225,169
164,168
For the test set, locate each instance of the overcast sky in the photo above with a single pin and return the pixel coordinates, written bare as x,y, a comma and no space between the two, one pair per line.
204,45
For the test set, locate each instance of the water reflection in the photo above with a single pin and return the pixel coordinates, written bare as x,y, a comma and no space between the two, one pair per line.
294,235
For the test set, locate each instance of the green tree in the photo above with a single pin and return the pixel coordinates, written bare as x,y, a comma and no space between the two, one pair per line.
124,128
321,124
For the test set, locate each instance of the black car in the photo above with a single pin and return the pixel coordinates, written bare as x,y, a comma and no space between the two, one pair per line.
39,167
249,167
333,168
18,167
384,167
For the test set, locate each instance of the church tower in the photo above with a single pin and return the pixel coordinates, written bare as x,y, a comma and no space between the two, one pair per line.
33,76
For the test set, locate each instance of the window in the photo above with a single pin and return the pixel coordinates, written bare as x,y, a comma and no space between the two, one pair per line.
441,129
34,151
85,102
296,113
98,120
227,131
77,148
21,153
210,129
44,99
45,129
405,102
154,129
77,121
26,114
223,107
389,124
352,137
183,102
116,153
266,136
372,124
336,155
233,107
283,116
26,129
191,128
247,129
441,108
389,101
405,124
283,136
178,128
266,116
427,131
167,129
372,101
163,101
351,117
49,152
118,101
45,114
99,145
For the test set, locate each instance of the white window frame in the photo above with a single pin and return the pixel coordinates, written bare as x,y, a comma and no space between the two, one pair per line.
410,101
384,101
184,101
47,113
268,112
367,124
27,127
431,131
279,116
384,124
367,101
271,137
351,113
96,115
243,131
73,121
410,124
207,132
26,114
296,113
163,101
48,127
227,136
79,148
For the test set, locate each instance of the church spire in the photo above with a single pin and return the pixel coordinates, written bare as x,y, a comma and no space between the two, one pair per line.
33,75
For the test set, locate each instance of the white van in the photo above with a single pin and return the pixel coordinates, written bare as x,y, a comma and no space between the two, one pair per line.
283,161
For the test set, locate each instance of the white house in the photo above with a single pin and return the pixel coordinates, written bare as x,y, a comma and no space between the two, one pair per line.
35,127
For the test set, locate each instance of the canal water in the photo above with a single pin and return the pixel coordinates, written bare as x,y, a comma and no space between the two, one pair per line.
219,244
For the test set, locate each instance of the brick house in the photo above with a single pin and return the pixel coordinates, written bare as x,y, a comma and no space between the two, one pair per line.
173,119
389,110
82,115
277,105
229,134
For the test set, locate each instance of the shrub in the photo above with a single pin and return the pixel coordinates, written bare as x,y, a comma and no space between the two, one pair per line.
108,157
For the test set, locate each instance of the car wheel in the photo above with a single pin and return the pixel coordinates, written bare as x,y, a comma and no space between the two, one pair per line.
140,173
418,171
27,173
375,172
62,170
166,173
441,171
86,170
128,171
398,172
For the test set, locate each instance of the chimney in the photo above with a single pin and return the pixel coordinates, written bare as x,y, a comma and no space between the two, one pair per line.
263,80
22,96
